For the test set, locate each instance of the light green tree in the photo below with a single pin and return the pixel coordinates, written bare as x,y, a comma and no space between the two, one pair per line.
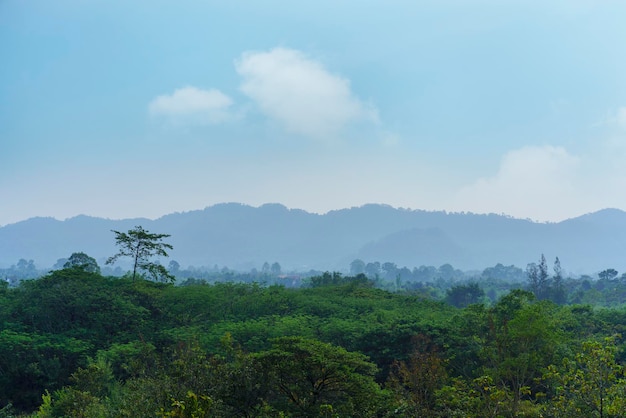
590,385
522,341
140,245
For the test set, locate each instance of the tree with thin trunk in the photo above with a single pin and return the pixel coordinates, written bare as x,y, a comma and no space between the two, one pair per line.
140,245
538,278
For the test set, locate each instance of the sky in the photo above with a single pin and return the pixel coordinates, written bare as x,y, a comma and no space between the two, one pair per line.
123,109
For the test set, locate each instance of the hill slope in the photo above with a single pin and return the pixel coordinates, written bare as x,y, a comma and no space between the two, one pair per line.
242,237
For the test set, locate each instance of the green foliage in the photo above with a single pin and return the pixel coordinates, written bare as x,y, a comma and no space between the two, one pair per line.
70,402
608,274
538,278
416,381
30,363
305,375
590,385
193,406
482,397
130,360
81,305
336,279
83,262
8,411
110,347
140,245
522,341
463,295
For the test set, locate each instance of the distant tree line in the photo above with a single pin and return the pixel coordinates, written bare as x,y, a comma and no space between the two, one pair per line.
22,270
145,250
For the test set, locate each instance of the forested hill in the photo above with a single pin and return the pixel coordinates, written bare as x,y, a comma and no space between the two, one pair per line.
244,237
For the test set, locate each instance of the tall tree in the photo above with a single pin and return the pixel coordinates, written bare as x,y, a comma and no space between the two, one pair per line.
538,278
522,340
140,245
558,290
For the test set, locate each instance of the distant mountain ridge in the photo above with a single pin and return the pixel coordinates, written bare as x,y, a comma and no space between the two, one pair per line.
242,237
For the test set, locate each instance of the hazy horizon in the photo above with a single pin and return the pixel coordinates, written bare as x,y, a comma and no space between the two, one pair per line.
152,218
139,109
238,235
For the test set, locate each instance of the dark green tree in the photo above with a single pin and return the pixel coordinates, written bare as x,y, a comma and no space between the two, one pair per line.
83,262
307,377
140,245
608,274
538,278
501,272
558,289
522,340
464,294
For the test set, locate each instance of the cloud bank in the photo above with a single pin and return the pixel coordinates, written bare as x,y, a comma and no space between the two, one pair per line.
549,183
300,93
533,182
192,105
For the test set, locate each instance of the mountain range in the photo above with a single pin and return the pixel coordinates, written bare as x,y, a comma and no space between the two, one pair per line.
243,237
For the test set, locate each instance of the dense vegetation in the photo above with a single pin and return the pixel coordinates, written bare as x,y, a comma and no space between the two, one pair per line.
78,344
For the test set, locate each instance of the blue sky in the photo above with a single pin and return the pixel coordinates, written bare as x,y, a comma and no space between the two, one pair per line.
139,109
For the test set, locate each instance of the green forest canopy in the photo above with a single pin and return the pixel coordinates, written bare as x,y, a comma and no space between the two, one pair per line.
76,343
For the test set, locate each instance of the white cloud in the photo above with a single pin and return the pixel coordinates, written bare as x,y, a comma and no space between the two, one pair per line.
300,93
535,182
192,105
